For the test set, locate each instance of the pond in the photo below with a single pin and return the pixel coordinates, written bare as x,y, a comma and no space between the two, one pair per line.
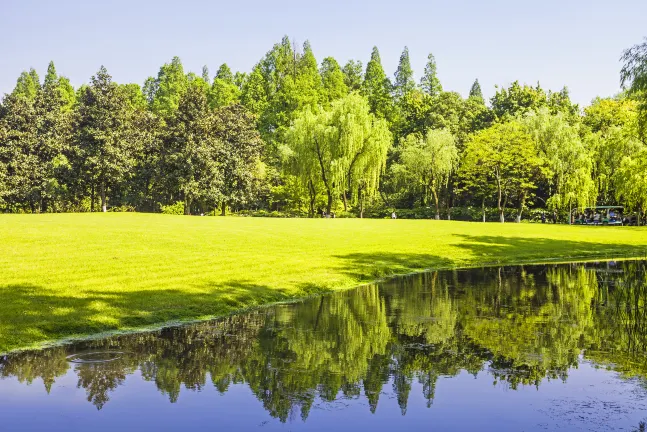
509,348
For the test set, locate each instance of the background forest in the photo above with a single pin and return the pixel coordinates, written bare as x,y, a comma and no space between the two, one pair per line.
298,137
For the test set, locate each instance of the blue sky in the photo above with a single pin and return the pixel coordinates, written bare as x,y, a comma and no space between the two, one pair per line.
576,43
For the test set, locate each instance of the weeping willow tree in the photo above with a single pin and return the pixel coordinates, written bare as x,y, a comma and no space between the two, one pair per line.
341,149
629,181
429,162
569,164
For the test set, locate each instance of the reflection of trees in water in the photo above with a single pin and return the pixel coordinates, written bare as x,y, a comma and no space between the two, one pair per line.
522,325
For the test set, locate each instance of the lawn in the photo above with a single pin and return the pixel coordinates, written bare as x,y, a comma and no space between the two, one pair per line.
67,275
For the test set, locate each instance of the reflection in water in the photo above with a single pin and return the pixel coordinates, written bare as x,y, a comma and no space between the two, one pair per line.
521,326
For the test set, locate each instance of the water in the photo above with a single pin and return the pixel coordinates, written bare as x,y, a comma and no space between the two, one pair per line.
507,349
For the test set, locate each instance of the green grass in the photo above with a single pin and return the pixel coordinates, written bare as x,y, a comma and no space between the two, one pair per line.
79,274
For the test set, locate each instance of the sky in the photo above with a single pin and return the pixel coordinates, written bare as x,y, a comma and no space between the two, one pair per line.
573,43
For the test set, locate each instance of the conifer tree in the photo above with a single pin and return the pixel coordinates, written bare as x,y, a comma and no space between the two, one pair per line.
476,93
404,82
429,82
377,87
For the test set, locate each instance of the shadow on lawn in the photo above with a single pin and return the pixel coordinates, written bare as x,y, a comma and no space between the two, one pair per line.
484,250
32,314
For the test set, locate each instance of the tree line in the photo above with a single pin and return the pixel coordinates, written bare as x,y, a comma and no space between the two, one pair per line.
298,137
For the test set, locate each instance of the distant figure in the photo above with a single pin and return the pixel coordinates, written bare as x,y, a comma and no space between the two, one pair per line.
596,219
555,216
323,214
332,215
394,216
543,217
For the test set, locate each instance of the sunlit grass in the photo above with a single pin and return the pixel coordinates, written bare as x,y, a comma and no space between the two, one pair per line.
78,274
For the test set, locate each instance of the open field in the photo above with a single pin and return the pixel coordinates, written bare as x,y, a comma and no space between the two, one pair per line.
64,275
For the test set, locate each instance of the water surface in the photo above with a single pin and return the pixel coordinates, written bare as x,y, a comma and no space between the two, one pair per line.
511,348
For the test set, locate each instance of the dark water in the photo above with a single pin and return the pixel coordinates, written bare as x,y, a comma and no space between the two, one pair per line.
511,348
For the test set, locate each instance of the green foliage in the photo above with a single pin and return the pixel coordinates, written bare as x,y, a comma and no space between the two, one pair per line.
176,208
164,92
429,162
224,91
27,85
404,82
376,87
429,82
343,147
353,75
476,93
334,86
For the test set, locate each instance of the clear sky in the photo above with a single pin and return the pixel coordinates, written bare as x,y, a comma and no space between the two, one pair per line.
576,43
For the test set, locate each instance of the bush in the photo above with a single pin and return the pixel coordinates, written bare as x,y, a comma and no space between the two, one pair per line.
173,209
122,209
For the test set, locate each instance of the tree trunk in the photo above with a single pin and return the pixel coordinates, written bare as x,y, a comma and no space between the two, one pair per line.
521,205
433,191
92,198
483,208
187,206
313,197
360,197
343,195
570,214
104,205
329,206
499,197
223,209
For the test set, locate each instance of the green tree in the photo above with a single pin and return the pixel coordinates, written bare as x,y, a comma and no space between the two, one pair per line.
27,85
346,143
239,155
332,77
192,152
165,91
505,155
430,161
377,87
107,139
517,100
404,82
476,93
429,82
353,75
633,77
568,161
629,181
224,91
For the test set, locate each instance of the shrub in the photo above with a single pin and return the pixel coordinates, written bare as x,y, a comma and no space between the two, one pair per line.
173,209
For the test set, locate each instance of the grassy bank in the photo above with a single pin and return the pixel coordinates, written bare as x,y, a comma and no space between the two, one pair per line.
78,274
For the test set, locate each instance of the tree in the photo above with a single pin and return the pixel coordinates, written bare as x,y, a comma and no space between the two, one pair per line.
404,82
107,140
165,91
505,155
239,154
224,91
630,184
192,153
517,100
633,77
429,82
377,87
27,85
476,93
346,144
254,96
430,161
332,77
353,75
568,162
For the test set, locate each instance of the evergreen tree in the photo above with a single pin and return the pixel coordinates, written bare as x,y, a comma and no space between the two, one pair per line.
353,75
332,76
27,85
205,74
107,142
377,87
429,81
476,93
404,82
